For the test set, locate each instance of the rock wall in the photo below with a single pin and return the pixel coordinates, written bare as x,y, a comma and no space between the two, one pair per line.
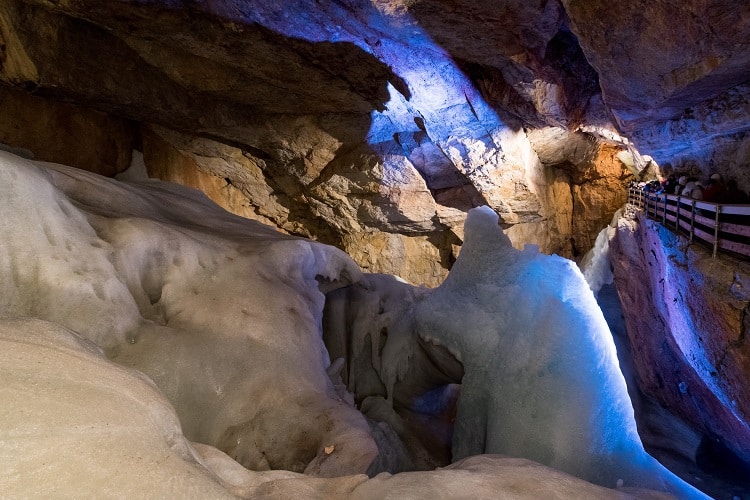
379,209
382,159
65,133
674,76
596,191
424,121
687,321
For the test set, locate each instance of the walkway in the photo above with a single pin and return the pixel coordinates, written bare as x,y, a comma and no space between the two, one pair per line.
725,227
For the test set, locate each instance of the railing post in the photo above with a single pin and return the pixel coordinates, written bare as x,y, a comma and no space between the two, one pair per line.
646,200
692,221
656,207
656,212
716,230
651,203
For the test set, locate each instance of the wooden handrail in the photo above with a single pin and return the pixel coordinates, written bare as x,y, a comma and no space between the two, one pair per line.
722,226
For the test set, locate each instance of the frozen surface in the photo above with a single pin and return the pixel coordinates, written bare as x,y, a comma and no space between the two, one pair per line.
541,374
74,423
106,286
595,265
222,313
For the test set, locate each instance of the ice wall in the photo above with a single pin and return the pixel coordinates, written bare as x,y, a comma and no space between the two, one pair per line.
539,373
595,265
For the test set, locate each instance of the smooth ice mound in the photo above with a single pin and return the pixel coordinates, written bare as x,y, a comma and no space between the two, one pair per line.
224,315
75,425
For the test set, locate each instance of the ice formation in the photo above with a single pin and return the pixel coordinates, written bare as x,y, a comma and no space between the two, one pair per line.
595,265
131,283
214,308
538,367
74,424
541,374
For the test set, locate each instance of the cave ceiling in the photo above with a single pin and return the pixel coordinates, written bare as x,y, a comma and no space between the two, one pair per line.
222,67
377,124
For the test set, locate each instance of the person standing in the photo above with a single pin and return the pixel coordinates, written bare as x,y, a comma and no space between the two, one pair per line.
714,187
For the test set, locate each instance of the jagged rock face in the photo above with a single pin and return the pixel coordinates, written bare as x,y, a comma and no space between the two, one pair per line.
374,127
345,120
647,71
708,137
673,72
687,321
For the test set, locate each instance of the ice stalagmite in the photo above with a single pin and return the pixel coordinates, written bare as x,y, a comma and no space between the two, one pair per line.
541,374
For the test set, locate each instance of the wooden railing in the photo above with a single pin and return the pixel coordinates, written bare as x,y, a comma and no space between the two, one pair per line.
724,227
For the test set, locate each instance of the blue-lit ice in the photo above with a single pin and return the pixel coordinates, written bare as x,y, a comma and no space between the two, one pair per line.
595,265
541,374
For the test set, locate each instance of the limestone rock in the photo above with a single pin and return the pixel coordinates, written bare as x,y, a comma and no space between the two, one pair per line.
646,70
595,176
706,138
427,121
414,258
598,197
658,62
401,142
65,133
683,317
356,195
230,179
